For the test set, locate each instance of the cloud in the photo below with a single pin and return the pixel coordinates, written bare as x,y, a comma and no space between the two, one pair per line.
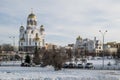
64,20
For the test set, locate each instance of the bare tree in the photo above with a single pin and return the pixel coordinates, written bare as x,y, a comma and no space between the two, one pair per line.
47,58
7,47
69,53
57,60
36,58
53,57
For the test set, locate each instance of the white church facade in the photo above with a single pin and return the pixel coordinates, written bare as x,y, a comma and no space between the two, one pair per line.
31,35
92,46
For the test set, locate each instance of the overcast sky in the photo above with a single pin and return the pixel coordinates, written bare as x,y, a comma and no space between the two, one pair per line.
64,20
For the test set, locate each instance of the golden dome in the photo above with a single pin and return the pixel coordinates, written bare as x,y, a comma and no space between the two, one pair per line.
31,16
79,38
37,38
21,27
42,28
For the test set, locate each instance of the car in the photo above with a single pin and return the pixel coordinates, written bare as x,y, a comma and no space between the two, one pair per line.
65,65
72,65
25,65
79,65
89,65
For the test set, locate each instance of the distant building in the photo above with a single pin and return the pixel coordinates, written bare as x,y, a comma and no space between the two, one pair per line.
98,46
31,36
50,46
113,44
69,46
91,46
112,47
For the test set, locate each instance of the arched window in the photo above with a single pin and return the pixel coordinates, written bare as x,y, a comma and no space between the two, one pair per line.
25,32
28,22
35,43
36,34
31,22
35,23
43,41
21,44
39,43
30,41
32,31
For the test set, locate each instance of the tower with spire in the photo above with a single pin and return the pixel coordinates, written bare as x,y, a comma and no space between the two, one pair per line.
31,36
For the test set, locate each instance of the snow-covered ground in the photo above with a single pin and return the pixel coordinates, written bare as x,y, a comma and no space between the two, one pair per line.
12,71
48,73
98,64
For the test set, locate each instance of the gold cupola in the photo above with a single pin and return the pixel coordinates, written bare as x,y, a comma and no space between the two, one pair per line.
21,28
78,38
42,28
32,16
31,19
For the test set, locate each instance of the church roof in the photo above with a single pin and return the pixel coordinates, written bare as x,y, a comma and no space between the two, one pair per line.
21,26
32,15
78,38
42,28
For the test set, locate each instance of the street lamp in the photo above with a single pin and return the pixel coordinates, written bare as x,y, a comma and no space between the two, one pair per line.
0,46
103,34
13,39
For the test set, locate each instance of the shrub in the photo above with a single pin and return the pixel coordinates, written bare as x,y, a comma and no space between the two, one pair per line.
27,59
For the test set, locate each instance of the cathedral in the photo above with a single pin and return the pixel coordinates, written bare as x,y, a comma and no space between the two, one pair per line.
31,36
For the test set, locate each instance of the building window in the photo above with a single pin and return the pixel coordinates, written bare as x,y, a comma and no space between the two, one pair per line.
25,32
21,44
35,23
99,47
36,34
43,42
39,43
31,22
35,43
28,22
32,31
30,41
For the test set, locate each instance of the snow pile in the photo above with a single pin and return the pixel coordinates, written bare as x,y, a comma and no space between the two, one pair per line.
48,73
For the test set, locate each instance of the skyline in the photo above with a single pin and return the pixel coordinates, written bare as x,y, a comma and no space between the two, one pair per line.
64,20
